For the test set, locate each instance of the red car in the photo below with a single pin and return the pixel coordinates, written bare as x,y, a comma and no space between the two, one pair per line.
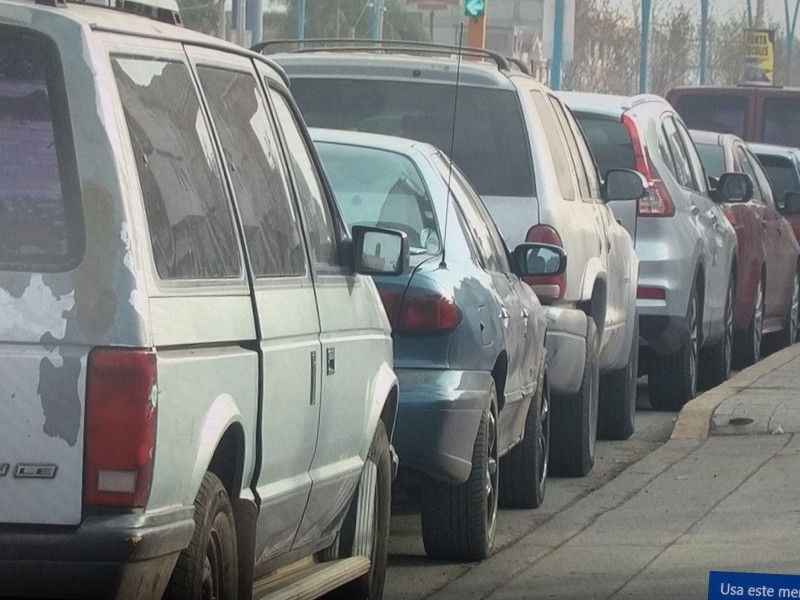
767,293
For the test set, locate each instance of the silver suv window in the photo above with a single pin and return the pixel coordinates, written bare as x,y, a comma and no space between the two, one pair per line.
187,212
41,227
490,142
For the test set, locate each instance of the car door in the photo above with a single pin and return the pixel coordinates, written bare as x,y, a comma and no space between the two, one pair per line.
709,220
283,292
779,245
515,318
354,336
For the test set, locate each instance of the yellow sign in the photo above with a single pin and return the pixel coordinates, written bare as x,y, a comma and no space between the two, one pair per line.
759,60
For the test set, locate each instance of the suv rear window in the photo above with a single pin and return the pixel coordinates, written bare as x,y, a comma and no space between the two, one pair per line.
609,141
782,121
723,114
490,145
41,226
782,175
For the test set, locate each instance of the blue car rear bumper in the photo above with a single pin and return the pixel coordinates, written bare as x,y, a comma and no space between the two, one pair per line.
438,415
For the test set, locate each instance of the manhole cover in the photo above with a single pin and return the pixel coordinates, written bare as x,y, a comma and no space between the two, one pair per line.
740,421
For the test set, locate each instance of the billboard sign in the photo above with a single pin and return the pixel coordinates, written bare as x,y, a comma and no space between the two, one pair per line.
759,59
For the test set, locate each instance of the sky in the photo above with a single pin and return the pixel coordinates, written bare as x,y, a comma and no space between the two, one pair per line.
774,8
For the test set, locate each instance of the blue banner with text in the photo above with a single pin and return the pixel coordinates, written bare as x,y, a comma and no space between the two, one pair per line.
723,585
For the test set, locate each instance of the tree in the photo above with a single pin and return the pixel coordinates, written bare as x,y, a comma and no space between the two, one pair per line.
200,15
353,18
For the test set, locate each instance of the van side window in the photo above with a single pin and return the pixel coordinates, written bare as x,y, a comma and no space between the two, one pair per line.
190,223
271,227
556,145
313,203
41,225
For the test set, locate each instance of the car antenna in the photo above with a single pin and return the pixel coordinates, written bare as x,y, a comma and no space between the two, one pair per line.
443,263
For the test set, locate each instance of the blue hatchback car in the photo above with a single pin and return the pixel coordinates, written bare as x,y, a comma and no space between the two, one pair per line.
473,422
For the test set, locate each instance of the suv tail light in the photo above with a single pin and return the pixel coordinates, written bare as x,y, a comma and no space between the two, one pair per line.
120,427
549,288
657,202
420,312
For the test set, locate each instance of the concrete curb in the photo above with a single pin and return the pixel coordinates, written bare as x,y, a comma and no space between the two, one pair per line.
694,419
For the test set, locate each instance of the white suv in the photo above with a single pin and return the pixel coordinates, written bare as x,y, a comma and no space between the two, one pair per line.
526,156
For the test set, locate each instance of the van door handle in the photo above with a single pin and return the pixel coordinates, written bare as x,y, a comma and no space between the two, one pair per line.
330,359
313,376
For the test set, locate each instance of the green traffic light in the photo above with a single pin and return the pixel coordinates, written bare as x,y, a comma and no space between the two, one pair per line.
474,8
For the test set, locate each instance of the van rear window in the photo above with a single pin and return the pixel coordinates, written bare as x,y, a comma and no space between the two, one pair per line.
41,228
723,114
782,121
490,145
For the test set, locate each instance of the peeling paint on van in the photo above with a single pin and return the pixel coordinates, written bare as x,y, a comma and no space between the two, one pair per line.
61,403
138,296
35,312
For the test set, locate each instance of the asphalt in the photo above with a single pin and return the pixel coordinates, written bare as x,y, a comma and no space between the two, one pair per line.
723,494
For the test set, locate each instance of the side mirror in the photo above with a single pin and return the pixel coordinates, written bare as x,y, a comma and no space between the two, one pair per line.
623,184
536,260
379,251
791,204
734,187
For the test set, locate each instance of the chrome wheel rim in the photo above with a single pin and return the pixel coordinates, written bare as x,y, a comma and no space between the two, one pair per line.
211,586
491,477
728,341
694,340
543,443
794,315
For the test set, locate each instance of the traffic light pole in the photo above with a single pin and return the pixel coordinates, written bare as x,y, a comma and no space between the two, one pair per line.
643,64
703,41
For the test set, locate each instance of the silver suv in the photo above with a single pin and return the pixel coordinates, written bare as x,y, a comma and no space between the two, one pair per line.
525,155
686,245
196,384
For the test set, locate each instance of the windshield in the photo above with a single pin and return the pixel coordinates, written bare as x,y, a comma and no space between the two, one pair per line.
381,188
489,145
713,158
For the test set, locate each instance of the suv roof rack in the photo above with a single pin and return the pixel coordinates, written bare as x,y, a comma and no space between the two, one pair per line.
164,11
377,46
520,64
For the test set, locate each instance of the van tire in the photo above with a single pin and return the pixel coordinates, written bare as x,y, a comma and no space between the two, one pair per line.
616,418
376,476
459,521
574,418
523,471
209,564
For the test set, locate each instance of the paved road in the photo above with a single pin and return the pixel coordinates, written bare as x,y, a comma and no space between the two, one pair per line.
411,576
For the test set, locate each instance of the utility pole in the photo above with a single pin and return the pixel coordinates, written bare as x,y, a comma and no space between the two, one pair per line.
790,29
643,64
558,45
377,19
300,20
704,41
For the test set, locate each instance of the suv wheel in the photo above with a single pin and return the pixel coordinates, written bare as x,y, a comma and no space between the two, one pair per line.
617,416
459,521
715,361
574,425
523,472
672,380
747,349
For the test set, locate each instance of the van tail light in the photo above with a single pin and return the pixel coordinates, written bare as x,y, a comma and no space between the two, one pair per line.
120,427
420,312
657,202
549,288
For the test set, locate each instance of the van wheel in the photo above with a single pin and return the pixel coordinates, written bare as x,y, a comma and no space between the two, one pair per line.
523,471
459,521
574,424
747,345
208,568
616,419
715,361
788,335
365,531
672,380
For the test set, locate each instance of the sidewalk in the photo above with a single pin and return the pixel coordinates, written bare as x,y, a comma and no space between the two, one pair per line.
723,494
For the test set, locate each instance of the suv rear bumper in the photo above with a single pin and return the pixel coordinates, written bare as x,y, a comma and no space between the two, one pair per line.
122,557
438,415
566,347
